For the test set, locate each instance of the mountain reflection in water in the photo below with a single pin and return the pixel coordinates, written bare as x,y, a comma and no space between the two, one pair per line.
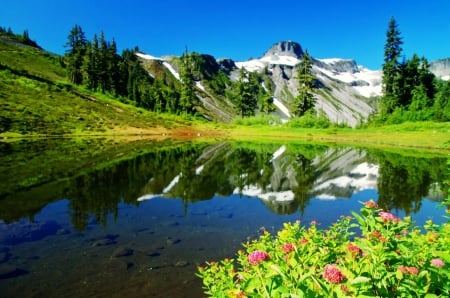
98,218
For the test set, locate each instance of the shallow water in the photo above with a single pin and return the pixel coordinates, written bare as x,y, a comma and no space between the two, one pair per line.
139,227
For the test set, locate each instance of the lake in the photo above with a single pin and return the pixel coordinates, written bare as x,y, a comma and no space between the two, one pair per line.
112,218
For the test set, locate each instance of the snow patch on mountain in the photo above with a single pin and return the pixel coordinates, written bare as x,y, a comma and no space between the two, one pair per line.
365,81
164,62
259,64
147,57
281,107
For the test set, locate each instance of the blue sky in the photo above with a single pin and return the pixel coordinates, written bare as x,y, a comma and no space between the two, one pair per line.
240,29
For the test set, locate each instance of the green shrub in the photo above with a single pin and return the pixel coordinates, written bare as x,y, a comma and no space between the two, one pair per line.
372,254
310,120
261,119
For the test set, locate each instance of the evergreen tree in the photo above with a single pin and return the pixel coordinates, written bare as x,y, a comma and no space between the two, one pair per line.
188,97
247,93
426,78
92,67
442,103
305,100
76,49
391,69
113,68
103,64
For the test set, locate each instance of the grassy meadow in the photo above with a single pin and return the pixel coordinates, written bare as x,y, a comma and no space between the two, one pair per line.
37,100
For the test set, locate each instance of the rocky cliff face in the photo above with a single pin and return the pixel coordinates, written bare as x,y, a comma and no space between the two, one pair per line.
285,48
441,68
345,88
348,93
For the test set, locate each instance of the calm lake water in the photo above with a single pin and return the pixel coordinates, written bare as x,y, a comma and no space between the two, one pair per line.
97,218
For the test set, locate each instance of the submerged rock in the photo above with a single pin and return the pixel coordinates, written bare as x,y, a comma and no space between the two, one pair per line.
108,239
153,253
122,252
9,271
181,263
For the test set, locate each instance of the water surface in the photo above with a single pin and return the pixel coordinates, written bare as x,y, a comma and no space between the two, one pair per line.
103,219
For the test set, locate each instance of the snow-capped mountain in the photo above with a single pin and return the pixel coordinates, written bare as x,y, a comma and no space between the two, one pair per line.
347,92
345,87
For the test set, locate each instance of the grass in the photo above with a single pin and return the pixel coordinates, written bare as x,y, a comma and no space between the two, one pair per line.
36,100
425,135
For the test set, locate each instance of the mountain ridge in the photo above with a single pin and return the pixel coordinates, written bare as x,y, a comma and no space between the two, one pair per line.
348,93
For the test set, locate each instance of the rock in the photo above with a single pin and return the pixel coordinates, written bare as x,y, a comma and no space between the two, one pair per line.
153,254
108,239
122,252
9,271
181,264
285,48
171,241
103,242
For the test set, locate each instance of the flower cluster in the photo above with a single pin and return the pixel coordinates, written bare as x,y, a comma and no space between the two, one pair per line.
353,249
388,256
257,257
437,263
288,247
371,205
333,274
408,270
387,216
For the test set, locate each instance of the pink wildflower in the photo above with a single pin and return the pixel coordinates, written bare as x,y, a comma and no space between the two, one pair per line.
304,241
437,263
387,216
257,257
371,204
288,247
355,250
332,274
408,270
403,269
314,222
413,270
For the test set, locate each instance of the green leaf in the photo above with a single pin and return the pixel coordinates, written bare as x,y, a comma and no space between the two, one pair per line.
360,280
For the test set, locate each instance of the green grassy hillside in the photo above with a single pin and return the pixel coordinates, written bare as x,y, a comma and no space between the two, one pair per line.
37,99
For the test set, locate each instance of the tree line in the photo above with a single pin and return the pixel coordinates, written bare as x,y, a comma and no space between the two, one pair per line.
97,66
410,91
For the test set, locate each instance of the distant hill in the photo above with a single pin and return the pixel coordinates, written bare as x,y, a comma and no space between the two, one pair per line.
36,98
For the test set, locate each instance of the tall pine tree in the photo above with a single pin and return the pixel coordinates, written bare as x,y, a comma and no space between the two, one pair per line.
391,69
92,67
76,49
305,100
188,97
246,96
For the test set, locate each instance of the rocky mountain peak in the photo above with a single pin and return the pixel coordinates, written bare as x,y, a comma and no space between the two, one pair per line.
285,48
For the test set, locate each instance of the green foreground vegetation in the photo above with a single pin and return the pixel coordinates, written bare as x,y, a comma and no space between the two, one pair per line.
370,254
41,98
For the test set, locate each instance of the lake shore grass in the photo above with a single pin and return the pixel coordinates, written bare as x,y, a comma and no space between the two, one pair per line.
420,136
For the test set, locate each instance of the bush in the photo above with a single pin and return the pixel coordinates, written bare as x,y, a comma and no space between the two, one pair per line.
372,254
310,120
261,119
